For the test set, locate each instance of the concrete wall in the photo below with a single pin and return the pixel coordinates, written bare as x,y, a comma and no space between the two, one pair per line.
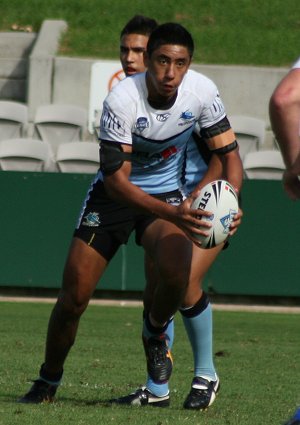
244,89
56,79
15,49
41,65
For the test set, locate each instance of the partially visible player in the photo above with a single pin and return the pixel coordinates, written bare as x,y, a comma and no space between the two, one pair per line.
133,43
196,309
285,120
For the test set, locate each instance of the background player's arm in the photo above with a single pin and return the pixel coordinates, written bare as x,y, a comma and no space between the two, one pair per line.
285,116
284,111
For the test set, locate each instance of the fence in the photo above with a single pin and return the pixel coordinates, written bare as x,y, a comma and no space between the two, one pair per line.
39,212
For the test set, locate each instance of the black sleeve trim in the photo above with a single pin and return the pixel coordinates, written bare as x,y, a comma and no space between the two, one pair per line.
226,149
112,157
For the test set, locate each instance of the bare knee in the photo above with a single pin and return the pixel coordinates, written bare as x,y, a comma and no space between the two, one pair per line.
70,307
82,272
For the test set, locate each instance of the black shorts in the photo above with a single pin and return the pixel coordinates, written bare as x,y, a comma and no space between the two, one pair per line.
105,224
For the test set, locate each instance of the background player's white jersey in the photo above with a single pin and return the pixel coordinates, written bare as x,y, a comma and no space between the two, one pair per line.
159,137
296,64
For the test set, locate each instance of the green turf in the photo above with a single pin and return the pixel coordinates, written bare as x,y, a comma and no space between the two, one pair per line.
257,357
255,32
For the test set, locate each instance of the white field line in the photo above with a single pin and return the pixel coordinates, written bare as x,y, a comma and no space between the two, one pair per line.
130,303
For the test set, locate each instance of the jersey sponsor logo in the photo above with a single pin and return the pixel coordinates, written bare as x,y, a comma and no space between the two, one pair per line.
187,117
91,219
110,122
141,124
162,117
148,160
170,151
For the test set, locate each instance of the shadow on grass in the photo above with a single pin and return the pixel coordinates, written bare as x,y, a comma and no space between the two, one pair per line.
12,398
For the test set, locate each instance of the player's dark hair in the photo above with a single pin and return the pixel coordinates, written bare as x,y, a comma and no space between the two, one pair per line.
170,33
139,24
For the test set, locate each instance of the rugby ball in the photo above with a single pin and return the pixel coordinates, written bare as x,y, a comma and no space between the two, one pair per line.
220,198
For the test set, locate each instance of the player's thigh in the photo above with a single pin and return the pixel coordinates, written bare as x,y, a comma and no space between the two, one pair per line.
83,269
169,248
202,261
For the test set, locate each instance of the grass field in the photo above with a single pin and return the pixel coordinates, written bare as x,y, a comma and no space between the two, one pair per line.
256,354
256,32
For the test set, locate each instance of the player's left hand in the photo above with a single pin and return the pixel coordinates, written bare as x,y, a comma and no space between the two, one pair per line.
236,222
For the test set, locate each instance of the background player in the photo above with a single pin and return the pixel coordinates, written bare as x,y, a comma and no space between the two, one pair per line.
285,120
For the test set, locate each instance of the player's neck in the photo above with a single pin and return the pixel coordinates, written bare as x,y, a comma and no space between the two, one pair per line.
162,102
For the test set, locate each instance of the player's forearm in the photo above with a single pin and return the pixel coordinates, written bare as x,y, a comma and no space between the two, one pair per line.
122,190
213,172
233,169
285,125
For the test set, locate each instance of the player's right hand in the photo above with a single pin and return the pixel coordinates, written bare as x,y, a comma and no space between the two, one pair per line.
190,220
291,184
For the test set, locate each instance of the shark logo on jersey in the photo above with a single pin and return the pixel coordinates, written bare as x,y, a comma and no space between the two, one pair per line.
187,115
162,117
141,124
187,118
91,219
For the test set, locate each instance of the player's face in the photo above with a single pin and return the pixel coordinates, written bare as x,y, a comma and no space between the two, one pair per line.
132,49
166,68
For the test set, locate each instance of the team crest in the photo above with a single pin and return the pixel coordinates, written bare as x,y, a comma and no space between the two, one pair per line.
141,124
91,219
186,118
187,115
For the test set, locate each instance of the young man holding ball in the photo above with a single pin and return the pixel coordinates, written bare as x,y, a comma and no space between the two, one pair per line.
146,123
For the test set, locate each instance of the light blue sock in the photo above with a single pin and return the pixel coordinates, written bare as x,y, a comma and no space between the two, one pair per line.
160,390
297,414
198,324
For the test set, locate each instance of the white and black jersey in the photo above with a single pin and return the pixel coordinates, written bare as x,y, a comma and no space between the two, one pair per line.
159,137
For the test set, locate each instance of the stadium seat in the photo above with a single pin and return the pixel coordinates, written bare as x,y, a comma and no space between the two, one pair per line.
23,154
58,124
249,131
78,157
263,165
13,119
96,124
